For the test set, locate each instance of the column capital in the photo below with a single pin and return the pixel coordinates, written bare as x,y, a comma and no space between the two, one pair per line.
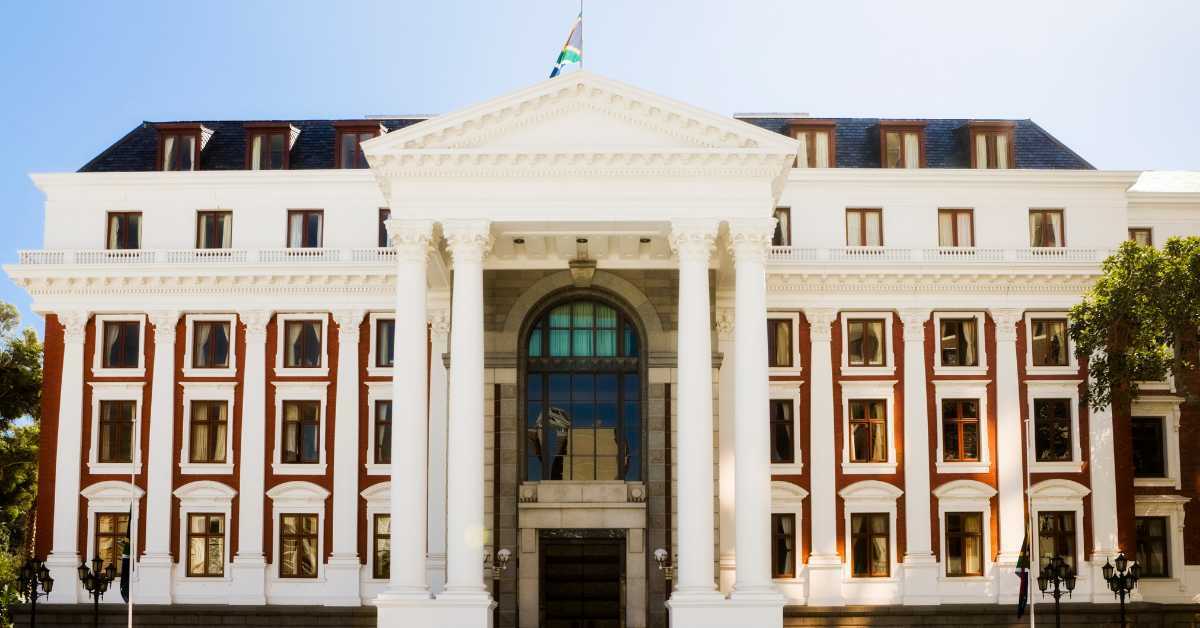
468,240
819,321
74,324
750,238
692,238
411,238
439,323
1006,320
723,323
164,325
256,324
348,322
914,320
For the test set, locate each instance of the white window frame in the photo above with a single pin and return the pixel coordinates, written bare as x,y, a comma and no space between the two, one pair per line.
116,391
889,368
853,390
377,391
379,502
300,391
297,497
796,368
204,497
788,499
111,496
372,319
1054,389
1166,408
789,391
1172,507
963,389
191,319
207,391
870,496
1060,495
980,344
98,369
1072,367
966,496
280,326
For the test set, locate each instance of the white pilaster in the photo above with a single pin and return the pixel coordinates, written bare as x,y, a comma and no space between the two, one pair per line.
920,567
154,581
726,482
824,564
64,555
343,569
249,566
1010,472
1104,498
439,329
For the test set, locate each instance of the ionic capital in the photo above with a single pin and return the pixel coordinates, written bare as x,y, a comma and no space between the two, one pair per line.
411,238
348,322
74,324
750,238
164,325
692,239
820,321
1006,320
256,324
724,323
439,323
914,320
468,240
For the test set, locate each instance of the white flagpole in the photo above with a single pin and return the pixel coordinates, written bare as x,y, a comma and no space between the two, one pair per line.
1029,522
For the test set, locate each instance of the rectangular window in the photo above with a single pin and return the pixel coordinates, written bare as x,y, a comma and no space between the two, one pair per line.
305,228
817,144
206,545
179,151
956,228
385,342
301,432
210,344
1052,430
381,546
779,342
302,344
116,431
1153,546
865,338
960,430
298,546
349,145
1141,235
868,430
268,149
782,432
901,146
384,215
214,230
208,431
870,545
122,344
112,535
1056,537
964,544
1046,228
783,545
992,145
1149,447
124,231
864,227
783,227
383,432
1049,342
959,341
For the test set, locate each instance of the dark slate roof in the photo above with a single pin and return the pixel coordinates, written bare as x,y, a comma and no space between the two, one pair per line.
857,144
945,143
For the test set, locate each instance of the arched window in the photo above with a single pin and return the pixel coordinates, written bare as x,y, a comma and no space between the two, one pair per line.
583,394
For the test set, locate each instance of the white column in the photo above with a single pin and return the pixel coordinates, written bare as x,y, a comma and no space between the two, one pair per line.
824,564
1104,498
64,555
749,240
726,482
342,571
249,566
1011,474
439,328
154,583
694,581
920,567
468,241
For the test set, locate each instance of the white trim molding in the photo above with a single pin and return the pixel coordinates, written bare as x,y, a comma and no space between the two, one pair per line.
789,391
787,498
889,349
963,389
110,496
796,368
207,391
871,496
188,348
853,390
966,496
116,391
205,497
98,369
1174,586
376,391
980,344
1167,409
379,502
1072,366
301,391
297,497
281,320
1054,389
372,320
1059,495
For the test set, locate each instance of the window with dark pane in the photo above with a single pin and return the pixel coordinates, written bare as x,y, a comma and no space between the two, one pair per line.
783,227
122,344
1049,341
305,228
206,545
214,230
210,344
583,394
1052,430
349,145
960,430
1056,537
298,546
870,541
124,231
385,339
302,344
779,342
116,431
868,430
959,341
268,149
209,425
1154,546
865,342
783,545
112,535
383,431
783,428
301,432
384,215
381,546
964,544
1149,447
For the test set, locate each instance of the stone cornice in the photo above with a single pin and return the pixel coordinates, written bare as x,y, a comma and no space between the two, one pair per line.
961,176
929,283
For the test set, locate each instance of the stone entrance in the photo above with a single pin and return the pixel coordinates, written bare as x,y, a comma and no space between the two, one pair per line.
582,578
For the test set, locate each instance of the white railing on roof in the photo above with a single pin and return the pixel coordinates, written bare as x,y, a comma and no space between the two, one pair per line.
377,255
119,256
207,256
935,255
299,255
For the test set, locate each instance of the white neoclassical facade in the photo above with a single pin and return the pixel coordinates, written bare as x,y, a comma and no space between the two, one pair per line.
816,362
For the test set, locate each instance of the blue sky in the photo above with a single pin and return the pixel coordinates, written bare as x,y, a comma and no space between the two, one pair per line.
1116,81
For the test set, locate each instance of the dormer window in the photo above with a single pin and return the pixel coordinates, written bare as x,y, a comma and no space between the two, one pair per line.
179,146
817,143
350,136
992,144
902,144
268,145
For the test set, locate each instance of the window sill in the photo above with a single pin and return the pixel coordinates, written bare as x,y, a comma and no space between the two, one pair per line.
102,372
203,372
870,579
299,372
785,370
1160,482
280,468
1052,370
963,467
868,468
1056,467
964,579
114,468
379,371
378,469
854,371
207,579
940,371
787,468
206,468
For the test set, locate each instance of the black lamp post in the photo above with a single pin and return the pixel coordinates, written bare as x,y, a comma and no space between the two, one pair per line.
1056,579
34,576
96,581
1122,580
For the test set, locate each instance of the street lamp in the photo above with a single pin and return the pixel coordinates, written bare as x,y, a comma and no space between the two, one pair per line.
665,565
34,575
1058,579
1122,580
96,581
498,565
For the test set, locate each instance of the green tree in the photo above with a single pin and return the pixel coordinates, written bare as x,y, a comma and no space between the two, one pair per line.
1179,301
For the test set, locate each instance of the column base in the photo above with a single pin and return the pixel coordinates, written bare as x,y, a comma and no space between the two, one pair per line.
456,612
63,566
249,580
921,580
153,579
342,578
435,572
1007,583
825,580
703,611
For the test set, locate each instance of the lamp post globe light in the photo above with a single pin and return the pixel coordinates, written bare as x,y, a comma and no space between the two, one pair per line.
1122,580
96,580
35,581
1056,579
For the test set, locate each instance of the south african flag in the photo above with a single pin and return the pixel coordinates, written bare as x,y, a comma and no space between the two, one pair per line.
572,51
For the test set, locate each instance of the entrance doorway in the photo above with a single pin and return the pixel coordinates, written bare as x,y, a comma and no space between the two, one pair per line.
582,580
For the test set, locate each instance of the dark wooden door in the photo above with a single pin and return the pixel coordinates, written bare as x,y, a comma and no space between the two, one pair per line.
581,583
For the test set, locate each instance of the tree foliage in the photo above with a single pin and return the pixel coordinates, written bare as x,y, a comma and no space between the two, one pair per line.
20,406
20,369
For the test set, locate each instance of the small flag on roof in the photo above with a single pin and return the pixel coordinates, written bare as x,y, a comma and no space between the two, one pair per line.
572,51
